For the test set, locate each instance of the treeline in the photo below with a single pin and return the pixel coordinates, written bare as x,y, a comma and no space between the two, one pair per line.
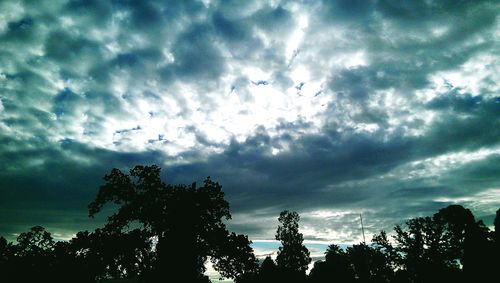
450,246
166,233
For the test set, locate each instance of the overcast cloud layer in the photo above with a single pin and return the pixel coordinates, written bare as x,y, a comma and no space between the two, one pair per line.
333,108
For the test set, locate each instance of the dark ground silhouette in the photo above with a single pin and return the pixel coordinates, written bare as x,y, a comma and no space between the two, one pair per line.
166,233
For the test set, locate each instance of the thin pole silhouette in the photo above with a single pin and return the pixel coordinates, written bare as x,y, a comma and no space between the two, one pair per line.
362,228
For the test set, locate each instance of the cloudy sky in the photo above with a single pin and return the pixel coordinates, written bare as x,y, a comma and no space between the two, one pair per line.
330,108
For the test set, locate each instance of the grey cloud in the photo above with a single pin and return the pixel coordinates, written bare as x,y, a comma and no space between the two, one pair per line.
345,10
274,20
476,175
97,12
479,129
195,55
66,103
22,31
73,51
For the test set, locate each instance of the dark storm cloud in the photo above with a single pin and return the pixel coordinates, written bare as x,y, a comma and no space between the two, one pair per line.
469,123
397,113
55,183
65,48
196,56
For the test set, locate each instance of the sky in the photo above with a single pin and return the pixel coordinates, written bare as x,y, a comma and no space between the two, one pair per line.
389,109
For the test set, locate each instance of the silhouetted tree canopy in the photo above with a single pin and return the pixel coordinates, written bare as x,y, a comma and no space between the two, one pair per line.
31,257
35,242
370,264
268,271
113,254
185,220
293,256
497,226
166,233
383,245
495,258
434,248
336,265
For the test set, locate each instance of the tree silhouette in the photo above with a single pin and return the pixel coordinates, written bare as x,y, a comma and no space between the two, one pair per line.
466,238
382,244
238,259
165,233
369,264
359,256
336,267
428,250
66,266
6,259
496,223
435,248
4,245
293,257
112,254
496,241
186,221
33,255
36,242
268,272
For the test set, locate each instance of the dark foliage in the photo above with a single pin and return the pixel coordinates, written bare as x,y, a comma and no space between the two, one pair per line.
166,233
186,221
293,256
336,265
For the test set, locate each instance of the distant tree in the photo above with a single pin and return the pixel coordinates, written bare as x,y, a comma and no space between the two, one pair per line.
427,253
85,262
496,223
4,251
186,221
320,273
458,225
268,272
382,244
335,268
238,259
65,266
106,254
467,240
35,242
369,264
32,255
340,263
69,263
5,259
293,257
496,236
439,247
359,256
495,258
